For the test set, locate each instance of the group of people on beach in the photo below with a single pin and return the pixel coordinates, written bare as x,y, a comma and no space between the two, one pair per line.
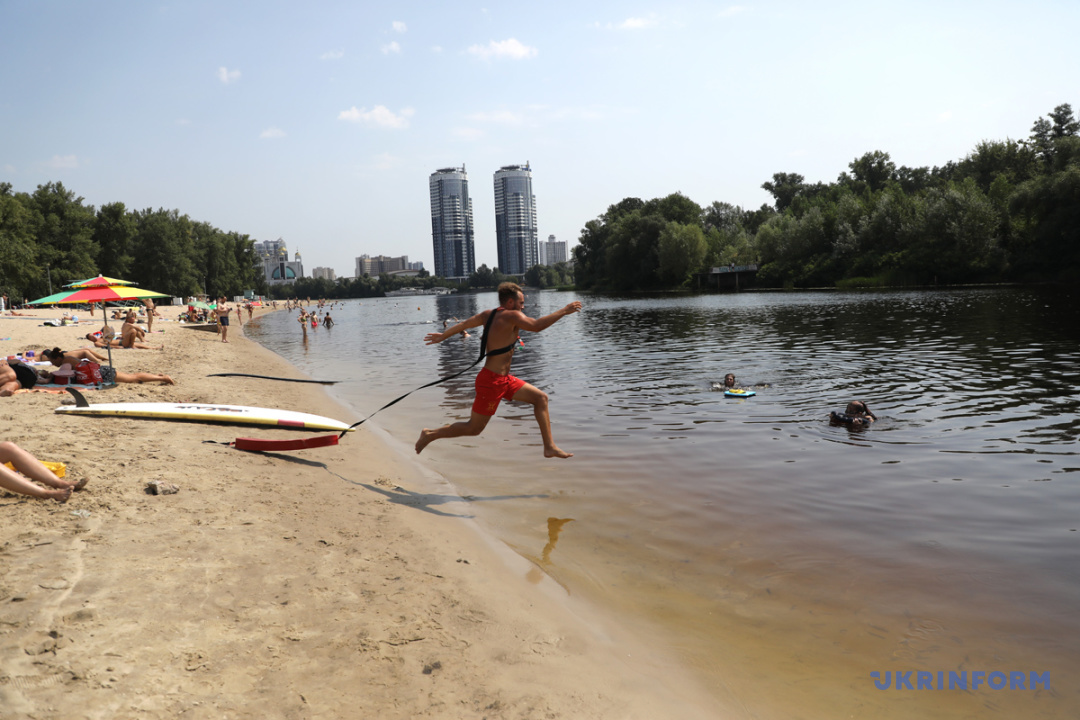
16,375
26,474
131,337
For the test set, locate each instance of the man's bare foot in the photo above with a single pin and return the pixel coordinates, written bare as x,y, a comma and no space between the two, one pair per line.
59,495
554,452
168,380
81,484
425,438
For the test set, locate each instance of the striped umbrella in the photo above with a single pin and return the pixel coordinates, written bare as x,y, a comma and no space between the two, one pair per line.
99,281
111,293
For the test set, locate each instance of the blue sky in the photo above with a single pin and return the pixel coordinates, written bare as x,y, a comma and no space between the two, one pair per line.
320,122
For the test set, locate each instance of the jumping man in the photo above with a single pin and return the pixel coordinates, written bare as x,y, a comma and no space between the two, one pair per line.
494,381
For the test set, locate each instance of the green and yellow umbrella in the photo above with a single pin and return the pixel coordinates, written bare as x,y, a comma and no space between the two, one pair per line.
111,293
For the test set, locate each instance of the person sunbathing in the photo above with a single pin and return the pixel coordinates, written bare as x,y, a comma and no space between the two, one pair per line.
109,374
100,342
32,469
16,376
132,336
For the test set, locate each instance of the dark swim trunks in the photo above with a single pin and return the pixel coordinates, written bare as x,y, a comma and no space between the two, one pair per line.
224,320
25,375
491,388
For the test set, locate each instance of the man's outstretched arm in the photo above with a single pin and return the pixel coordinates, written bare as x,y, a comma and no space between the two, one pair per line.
525,322
475,321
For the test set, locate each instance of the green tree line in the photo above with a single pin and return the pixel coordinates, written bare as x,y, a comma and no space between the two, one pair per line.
51,237
1009,211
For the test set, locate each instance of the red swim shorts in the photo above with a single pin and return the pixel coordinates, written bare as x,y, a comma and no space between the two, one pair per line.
491,388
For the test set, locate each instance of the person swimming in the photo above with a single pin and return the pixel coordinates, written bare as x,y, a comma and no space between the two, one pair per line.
857,414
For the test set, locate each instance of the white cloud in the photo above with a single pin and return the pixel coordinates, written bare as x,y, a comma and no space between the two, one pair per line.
501,117
637,23
391,47
272,133
399,26
64,162
332,55
183,121
436,49
228,76
9,169
378,116
945,116
589,114
467,133
503,49
731,11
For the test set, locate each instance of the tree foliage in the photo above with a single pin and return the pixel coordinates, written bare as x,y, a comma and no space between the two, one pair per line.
50,238
1009,210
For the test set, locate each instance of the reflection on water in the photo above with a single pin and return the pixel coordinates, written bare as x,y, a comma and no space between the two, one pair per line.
784,558
555,526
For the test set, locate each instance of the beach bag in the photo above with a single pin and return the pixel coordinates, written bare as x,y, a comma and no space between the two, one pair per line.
88,372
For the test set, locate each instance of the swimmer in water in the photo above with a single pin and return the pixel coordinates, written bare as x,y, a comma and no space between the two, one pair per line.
857,414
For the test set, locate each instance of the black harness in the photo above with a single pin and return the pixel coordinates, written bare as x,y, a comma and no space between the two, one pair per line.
483,353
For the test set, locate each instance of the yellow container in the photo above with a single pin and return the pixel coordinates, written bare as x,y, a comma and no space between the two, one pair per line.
58,469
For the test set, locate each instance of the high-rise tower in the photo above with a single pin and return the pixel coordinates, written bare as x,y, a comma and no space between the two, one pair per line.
515,219
452,224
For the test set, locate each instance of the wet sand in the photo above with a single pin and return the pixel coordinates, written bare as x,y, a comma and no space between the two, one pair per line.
345,581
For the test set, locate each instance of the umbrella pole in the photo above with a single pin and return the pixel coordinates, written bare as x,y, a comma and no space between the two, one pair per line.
108,343
108,347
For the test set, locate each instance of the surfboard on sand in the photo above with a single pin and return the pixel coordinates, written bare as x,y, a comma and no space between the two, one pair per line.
208,413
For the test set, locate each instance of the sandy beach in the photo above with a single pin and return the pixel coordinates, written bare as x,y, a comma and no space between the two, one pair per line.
338,582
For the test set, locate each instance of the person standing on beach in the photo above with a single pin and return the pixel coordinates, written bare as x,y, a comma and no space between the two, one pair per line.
149,314
222,311
494,381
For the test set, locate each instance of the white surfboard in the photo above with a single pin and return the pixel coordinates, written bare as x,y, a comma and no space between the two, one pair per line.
202,412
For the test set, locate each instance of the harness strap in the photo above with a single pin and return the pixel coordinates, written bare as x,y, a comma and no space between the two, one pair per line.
483,354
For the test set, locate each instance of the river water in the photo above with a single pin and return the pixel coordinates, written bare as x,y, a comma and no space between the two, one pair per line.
781,559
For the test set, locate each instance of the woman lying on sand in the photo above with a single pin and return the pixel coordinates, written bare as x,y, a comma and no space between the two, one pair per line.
100,342
31,467
109,374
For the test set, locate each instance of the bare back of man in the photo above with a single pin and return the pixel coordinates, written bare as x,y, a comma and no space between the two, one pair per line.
494,383
9,381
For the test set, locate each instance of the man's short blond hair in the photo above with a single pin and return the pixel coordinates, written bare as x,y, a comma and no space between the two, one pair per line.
509,291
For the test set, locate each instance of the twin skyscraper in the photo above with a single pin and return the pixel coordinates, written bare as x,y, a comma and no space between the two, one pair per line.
452,221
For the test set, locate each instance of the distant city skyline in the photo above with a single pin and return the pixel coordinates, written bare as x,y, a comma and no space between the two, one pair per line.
318,122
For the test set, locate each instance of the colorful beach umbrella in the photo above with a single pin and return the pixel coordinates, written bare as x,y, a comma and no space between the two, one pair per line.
98,294
99,281
112,293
